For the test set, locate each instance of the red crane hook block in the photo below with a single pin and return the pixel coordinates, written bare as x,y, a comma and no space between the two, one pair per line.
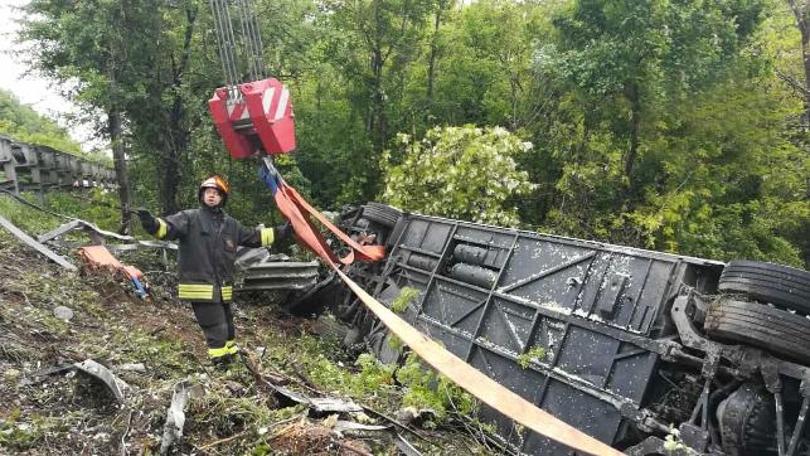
256,119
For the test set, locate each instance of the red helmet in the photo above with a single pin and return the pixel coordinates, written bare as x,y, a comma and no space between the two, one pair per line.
216,182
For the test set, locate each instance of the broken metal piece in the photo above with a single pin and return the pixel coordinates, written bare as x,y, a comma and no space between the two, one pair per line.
245,257
88,226
98,371
333,405
81,224
343,427
317,404
38,246
59,231
141,244
280,275
41,375
175,417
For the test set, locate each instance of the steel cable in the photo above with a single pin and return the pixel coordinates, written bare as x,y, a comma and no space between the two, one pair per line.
229,30
218,26
247,39
254,37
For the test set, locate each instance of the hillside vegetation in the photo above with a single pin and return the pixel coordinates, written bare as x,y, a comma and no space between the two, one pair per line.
676,126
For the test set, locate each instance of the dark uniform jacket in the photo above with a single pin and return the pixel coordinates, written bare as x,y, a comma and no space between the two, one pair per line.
208,238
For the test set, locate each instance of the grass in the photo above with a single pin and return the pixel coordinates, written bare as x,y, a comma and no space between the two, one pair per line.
97,206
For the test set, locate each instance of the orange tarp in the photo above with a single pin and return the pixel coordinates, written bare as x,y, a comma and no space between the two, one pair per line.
98,257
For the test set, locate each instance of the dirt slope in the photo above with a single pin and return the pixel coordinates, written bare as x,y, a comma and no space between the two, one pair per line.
232,412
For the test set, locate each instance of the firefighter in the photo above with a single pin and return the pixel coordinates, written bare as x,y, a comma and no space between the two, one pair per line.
208,238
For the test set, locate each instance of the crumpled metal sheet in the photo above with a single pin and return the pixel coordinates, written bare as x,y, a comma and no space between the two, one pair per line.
113,383
318,404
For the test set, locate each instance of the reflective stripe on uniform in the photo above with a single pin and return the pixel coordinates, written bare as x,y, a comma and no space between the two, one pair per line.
163,229
267,236
227,293
232,347
218,352
194,291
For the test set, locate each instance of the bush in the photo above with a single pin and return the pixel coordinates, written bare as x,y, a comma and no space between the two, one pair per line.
464,172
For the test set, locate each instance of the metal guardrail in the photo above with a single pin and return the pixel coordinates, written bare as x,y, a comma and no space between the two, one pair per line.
26,167
262,271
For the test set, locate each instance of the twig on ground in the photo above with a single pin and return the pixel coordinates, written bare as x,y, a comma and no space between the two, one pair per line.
221,441
124,435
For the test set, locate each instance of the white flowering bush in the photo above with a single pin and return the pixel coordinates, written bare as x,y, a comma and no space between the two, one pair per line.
465,172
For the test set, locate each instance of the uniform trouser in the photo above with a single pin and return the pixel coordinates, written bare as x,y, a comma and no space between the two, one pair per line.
216,321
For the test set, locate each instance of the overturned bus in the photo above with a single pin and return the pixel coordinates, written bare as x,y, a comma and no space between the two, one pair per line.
650,352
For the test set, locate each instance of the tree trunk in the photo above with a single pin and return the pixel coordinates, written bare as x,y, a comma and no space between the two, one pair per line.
176,137
632,94
801,14
120,161
169,175
434,51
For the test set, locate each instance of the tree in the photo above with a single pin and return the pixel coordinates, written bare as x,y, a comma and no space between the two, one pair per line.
460,172
801,12
93,49
376,42
688,159
631,54
22,123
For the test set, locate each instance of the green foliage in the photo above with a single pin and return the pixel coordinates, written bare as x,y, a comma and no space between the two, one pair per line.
97,206
395,343
406,296
462,172
534,354
666,125
22,123
23,434
22,216
425,389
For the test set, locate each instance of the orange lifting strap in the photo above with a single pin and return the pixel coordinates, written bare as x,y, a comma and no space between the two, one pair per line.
296,209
